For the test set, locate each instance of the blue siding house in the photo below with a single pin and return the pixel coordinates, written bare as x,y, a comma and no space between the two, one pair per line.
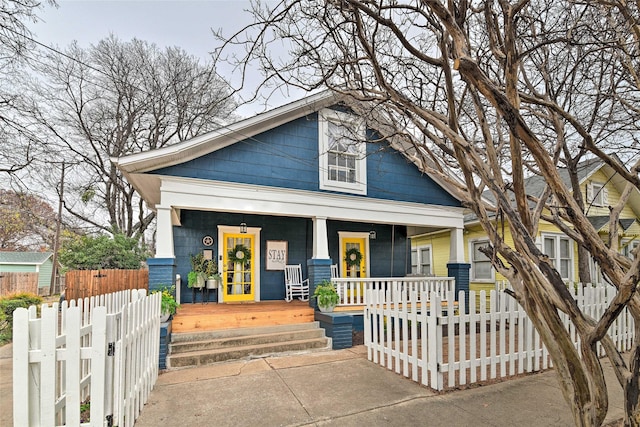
299,184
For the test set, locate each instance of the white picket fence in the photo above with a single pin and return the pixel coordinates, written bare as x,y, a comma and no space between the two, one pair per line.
353,291
101,349
444,348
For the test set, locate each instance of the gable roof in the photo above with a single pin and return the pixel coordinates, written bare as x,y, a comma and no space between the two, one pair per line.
30,258
135,166
535,186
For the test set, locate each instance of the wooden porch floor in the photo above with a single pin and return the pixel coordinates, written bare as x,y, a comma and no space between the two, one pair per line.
212,316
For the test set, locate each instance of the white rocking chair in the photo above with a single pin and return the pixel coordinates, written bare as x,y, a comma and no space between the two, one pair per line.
294,285
334,271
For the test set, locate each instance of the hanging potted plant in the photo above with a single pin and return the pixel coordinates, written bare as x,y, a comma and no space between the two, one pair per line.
197,276
326,296
353,258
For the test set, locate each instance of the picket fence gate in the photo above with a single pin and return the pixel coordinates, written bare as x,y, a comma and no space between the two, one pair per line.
420,338
101,349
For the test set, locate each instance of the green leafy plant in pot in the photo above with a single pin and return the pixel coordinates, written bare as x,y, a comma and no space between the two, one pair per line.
326,296
168,303
197,276
213,277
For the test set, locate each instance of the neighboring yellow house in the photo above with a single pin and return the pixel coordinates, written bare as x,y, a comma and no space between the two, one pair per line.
601,188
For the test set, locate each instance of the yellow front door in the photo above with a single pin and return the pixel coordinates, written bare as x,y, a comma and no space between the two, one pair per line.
238,271
354,252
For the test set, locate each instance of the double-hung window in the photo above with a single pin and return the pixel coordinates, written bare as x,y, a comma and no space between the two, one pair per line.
558,249
597,194
342,148
629,246
481,269
421,261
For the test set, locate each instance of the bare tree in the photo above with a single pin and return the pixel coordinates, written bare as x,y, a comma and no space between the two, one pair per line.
19,144
118,98
503,91
28,222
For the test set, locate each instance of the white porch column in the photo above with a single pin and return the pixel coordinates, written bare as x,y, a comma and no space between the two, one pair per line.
164,233
457,246
320,240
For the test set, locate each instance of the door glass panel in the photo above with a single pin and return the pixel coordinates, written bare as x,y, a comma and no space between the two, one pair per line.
238,267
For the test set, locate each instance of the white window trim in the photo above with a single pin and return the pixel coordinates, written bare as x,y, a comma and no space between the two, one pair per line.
360,186
418,250
472,273
630,244
557,237
597,194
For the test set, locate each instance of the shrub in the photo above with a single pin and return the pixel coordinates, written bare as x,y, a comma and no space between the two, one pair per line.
8,305
102,252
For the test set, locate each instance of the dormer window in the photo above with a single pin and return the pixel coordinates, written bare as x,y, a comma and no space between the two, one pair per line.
343,165
597,194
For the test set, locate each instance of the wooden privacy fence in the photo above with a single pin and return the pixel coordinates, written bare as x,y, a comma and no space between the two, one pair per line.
352,291
103,350
443,348
88,283
11,283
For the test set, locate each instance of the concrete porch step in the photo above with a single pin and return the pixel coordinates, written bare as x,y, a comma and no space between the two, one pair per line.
202,348
183,337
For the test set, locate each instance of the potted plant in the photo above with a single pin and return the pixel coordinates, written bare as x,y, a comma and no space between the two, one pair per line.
326,296
168,303
197,276
213,277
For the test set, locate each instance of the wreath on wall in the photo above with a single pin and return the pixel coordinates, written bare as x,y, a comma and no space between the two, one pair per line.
353,257
240,254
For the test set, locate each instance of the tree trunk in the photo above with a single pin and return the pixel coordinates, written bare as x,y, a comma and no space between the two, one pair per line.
579,373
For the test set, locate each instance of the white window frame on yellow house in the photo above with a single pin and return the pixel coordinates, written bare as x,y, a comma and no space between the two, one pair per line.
351,146
597,194
627,246
417,267
473,261
556,258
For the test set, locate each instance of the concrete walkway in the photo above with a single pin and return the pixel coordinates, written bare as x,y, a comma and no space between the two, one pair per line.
337,388
6,385
342,388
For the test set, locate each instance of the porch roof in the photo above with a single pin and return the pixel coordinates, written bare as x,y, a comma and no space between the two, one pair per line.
195,194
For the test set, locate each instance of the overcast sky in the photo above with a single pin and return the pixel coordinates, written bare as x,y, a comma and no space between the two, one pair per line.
183,23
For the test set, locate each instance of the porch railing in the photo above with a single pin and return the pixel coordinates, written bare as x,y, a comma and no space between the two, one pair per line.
352,290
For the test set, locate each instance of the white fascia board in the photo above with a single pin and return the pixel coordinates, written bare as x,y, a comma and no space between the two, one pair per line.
223,137
184,193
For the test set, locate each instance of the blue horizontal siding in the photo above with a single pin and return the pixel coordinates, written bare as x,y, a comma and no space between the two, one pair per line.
284,157
288,157
391,176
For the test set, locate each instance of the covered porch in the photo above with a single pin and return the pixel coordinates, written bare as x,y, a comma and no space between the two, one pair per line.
209,316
